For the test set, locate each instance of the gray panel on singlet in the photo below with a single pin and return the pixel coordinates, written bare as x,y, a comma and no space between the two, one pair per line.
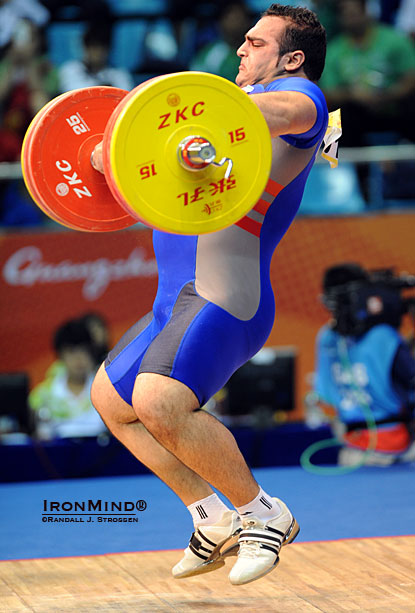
126,339
227,262
159,357
227,271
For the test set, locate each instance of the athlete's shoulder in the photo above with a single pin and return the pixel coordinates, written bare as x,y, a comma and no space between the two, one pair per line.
309,88
295,84
312,90
290,84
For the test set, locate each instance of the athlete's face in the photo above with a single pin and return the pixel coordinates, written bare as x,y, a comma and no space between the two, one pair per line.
260,59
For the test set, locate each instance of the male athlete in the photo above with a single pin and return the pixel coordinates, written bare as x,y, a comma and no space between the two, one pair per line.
214,309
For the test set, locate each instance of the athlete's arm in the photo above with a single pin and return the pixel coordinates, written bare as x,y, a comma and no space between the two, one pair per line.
286,112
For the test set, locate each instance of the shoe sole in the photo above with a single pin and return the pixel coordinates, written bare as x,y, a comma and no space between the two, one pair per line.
217,558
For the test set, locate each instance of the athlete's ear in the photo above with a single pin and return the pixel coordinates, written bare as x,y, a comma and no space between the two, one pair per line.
293,60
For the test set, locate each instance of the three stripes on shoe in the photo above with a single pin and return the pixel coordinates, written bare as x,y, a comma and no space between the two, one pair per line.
201,546
272,542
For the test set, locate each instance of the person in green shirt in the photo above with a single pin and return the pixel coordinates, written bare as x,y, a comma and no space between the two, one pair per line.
370,75
61,403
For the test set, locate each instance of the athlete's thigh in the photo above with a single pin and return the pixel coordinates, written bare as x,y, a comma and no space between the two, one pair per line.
162,395
108,402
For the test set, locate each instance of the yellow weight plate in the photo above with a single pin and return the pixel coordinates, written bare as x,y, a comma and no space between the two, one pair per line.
143,153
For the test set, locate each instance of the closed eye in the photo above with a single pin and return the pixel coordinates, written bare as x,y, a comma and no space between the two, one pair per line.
255,42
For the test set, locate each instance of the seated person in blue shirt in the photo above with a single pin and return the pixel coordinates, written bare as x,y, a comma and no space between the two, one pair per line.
364,367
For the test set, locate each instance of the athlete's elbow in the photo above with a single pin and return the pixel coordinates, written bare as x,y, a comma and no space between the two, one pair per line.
279,126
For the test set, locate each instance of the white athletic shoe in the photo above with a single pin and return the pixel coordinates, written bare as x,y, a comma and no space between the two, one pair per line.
260,543
209,546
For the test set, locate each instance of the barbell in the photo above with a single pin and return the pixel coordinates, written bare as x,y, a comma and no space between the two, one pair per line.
186,153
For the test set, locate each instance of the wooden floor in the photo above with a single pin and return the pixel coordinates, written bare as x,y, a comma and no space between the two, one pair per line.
376,575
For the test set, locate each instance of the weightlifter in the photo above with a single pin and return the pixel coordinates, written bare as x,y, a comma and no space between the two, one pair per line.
214,309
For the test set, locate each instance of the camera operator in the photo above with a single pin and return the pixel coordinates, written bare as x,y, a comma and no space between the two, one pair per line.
364,367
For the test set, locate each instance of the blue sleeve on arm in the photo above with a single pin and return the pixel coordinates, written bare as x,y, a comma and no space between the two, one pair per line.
310,89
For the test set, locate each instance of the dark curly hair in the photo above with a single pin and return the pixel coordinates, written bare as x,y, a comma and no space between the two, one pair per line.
71,334
304,32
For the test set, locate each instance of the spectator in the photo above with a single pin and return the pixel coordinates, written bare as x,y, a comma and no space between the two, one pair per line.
364,367
12,11
62,402
27,82
405,18
98,329
96,11
218,57
94,68
327,13
370,74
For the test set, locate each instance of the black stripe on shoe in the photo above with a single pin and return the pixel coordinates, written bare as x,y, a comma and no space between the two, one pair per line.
201,548
270,549
274,530
205,538
199,555
196,543
250,535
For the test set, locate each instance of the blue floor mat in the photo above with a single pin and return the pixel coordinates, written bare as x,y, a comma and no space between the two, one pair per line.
369,502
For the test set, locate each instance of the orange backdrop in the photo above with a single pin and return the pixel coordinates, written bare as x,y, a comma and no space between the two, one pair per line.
47,278
309,247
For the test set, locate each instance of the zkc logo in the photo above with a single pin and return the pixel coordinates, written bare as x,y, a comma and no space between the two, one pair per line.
181,115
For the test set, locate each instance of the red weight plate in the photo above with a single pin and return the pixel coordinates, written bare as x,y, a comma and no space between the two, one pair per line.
58,154
26,167
106,146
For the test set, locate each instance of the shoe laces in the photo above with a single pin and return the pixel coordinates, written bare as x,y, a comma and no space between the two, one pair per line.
248,549
249,524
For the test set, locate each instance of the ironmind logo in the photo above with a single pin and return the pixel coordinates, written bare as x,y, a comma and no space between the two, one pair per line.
118,506
26,267
86,511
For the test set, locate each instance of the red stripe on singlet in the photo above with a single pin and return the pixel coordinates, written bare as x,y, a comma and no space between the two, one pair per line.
262,206
273,188
250,225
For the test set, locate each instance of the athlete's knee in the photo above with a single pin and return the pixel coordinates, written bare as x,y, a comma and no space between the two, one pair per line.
150,412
